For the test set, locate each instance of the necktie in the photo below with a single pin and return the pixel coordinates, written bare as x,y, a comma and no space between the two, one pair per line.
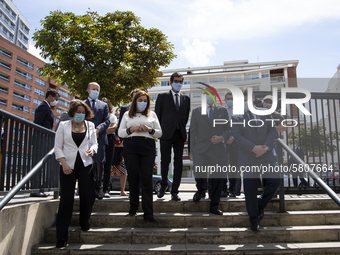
211,113
177,103
93,104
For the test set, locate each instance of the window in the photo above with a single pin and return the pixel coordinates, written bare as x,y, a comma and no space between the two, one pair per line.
5,52
234,78
38,70
25,63
5,65
196,80
3,102
39,92
154,97
197,94
63,93
3,90
186,82
188,94
24,74
217,79
251,76
22,85
21,96
36,101
40,82
62,102
164,83
4,77
265,75
60,111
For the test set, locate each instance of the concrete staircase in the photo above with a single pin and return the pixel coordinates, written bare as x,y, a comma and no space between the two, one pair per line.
311,225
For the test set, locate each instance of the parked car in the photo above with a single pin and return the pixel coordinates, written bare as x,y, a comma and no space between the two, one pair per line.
156,183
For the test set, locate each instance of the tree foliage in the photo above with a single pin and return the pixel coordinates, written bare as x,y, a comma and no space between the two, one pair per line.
113,50
315,140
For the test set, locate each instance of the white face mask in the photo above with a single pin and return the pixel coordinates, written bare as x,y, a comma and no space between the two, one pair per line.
54,103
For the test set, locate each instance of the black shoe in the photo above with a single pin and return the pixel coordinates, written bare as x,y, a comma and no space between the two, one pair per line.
232,195
216,211
175,197
161,192
260,212
224,193
39,194
203,194
61,243
150,220
98,195
197,197
255,226
85,228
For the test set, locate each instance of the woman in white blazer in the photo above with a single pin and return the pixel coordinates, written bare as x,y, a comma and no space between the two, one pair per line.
75,144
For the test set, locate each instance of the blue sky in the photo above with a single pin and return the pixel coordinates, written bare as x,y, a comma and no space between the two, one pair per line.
210,32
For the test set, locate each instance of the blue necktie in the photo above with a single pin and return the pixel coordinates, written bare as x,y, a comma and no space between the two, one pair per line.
93,104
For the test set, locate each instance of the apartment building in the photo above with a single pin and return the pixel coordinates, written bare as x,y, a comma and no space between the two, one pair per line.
14,27
22,88
261,76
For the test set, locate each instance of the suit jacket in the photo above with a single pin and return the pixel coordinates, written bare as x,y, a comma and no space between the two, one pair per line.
65,147
101,119
201,131
169,117
44,116
123,109
248,137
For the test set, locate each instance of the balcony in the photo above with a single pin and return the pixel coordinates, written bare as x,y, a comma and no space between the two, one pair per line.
3,90
24,74
277,79
25,63
22,97
5,78
23,86
6,66
5,53
3,102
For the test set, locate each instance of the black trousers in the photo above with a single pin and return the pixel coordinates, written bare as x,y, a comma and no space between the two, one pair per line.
177,143
234,177
109,152
86,196
140,167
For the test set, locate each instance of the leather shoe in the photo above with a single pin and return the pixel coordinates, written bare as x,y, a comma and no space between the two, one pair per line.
61,243
216,211
260,212
197,197
150,220
161,192
203,194
175,197
98,195
224,193
39,194
232,195
255,226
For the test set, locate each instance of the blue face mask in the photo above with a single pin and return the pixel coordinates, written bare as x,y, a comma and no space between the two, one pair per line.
141,106
94,94
210,100
229,103
246,108
79,117
177,86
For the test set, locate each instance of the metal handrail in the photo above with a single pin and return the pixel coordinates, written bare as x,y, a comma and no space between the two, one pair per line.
315,177
24,180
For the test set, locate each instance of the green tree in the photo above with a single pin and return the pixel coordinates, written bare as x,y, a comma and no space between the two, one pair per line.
113,50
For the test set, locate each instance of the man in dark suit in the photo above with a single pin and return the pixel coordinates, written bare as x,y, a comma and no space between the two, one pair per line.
172,109
255,138
101,121
301,153
207,142
43,114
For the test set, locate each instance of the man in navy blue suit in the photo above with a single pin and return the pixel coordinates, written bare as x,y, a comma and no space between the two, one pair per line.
43,114
255,149
101,121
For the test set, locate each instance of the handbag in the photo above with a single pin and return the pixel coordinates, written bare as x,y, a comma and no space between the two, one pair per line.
95,168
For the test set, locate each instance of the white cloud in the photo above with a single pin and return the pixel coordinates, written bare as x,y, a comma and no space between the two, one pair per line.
197,52
229,19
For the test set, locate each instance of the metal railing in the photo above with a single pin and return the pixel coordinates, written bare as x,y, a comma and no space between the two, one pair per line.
27,160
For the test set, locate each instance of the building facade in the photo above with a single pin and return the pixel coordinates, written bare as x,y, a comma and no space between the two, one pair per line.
262,76
22,88
14,27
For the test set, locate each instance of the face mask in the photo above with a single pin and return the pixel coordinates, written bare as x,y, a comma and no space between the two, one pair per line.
94,94
210,100
79,117
141,106
54,103
266,105
177,86
229,103
246,108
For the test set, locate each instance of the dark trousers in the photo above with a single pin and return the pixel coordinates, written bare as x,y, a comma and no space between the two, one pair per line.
214,181
139,167
272,181
234,177
101,159
86,196
109,152
177,143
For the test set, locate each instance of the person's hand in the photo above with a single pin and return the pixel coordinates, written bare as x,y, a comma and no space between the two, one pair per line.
230,140
97,132
216,139
89,152
111,129
66,169
135,129
259,150
146,128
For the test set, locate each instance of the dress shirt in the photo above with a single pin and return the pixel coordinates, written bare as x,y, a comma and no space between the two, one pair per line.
179,97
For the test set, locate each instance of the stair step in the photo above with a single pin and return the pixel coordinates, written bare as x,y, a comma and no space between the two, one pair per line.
325,248
196,219
226,205
233,235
